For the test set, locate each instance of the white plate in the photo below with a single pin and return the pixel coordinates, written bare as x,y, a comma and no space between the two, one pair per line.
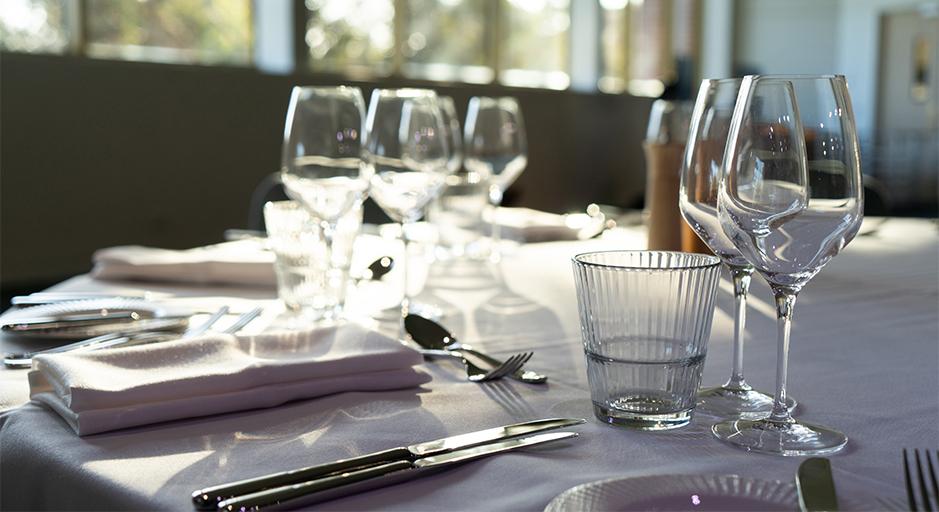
76,307
681,492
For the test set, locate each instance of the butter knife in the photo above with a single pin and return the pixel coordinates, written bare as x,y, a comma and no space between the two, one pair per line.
363,479
816,486
208,498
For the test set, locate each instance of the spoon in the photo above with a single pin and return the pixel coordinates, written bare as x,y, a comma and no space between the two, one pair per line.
431,335
377,269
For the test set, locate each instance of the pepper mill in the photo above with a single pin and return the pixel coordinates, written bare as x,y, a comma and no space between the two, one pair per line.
664,149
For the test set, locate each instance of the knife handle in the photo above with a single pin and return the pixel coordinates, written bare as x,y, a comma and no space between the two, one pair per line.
210,497
319,489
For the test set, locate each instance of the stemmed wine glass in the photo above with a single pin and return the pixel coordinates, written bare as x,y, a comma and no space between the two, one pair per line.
496,149
408,151
700,181
322,165
790,199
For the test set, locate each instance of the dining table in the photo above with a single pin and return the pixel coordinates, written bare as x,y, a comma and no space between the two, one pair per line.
864,359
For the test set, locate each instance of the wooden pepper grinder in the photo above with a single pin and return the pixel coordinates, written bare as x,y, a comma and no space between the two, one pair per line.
664,149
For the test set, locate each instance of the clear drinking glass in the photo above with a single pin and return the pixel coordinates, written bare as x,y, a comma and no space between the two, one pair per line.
496,149
645,318
322,165
700,182
790,199
408,151
301,266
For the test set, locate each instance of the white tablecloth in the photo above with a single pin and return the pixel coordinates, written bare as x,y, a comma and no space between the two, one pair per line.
865,359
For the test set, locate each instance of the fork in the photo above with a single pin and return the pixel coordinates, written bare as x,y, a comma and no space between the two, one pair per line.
511,365
921,479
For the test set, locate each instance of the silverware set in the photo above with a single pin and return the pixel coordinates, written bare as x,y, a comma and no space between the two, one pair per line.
436,341
323,482
134,332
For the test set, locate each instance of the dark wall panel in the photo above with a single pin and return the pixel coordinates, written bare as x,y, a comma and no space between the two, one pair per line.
99,153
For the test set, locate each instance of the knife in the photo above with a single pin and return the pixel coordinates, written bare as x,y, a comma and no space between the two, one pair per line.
208,498
363,479
816,486
64,321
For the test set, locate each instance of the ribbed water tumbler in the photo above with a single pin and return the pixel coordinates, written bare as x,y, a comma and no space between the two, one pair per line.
645,318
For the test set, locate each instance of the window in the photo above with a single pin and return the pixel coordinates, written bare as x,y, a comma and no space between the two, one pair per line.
641,42
198,31
641,46
534,43
355,36
430,49
193,31
34,26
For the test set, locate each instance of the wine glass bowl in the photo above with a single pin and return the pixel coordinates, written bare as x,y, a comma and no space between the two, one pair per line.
322,151
700,184
790,199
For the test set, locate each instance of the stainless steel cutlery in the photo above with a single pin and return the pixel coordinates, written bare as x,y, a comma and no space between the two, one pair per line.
816,486
138,333
326,481
434,337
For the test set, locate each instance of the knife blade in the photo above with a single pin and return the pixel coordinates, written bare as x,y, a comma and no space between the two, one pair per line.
337,485
209,497
816,486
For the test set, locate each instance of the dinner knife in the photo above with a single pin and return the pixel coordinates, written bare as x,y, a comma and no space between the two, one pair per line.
816,486
41,323
359,480
209,497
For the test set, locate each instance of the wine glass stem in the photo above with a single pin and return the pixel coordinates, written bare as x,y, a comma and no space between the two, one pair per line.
405,297
740,275
329,230
785,301
495,199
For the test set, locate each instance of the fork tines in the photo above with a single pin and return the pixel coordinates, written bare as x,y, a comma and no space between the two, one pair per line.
922,470
511,365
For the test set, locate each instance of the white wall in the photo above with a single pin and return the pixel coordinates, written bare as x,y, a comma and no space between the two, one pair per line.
786,37
858,49
817,36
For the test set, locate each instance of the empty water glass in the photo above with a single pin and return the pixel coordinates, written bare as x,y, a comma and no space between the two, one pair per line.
305,280
645,318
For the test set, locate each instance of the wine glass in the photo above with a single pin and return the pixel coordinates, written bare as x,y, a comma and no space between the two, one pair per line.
700,180
790,199
496,149
408,151
322,165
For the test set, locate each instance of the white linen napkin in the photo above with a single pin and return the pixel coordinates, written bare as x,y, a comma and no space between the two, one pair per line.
531,226
111,389
243,262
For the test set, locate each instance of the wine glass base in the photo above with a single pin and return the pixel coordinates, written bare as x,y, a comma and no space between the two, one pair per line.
787,438
728,403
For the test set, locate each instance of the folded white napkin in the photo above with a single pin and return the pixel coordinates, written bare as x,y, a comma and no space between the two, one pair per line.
243,262
117,388
527,225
